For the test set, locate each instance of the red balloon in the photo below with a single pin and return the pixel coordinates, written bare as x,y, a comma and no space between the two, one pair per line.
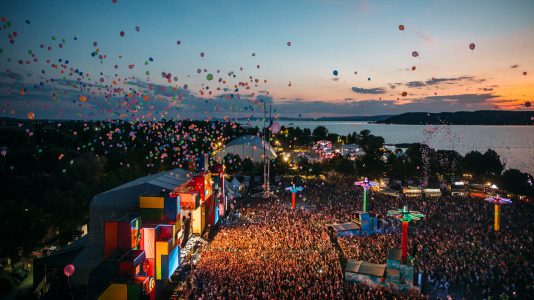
413,68
472,46
525,73
69,270
528,104
401,27
404,94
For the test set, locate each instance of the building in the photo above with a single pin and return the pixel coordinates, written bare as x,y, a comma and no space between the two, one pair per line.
135,235
351,151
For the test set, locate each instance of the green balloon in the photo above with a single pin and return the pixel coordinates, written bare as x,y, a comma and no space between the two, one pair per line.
210,76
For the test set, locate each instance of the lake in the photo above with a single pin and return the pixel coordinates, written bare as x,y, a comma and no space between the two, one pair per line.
515,144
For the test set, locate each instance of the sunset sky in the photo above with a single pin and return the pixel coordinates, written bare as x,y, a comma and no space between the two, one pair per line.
325,35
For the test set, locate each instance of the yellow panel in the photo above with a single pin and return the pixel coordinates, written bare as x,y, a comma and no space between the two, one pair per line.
197,221
115,291
162,248
158,266
151,202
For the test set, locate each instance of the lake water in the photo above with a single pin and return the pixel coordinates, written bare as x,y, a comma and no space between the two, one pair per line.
515,144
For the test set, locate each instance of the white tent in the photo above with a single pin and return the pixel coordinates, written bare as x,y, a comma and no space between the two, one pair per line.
247,146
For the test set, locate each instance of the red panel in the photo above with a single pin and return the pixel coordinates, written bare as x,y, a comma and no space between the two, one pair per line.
126,268
165,232
151,267
124,237
110,237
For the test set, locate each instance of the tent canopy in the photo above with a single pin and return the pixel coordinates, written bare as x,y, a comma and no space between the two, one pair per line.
247,146
345,227
366,268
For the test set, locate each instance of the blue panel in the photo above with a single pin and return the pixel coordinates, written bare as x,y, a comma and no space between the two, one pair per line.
171,208
164,267
174,260
178,204
365,222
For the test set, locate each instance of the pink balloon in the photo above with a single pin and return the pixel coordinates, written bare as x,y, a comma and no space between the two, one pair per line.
69,270
415,54
472,46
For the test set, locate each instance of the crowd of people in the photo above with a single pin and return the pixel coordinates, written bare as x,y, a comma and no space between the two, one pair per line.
274,252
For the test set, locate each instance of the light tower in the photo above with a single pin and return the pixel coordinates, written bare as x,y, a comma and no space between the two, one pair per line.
294,190
366,184
405,216
498,201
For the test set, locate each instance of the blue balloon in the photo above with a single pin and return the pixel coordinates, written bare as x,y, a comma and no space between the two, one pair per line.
335,72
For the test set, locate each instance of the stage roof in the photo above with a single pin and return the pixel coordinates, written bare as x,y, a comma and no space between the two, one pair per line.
367,268
345,226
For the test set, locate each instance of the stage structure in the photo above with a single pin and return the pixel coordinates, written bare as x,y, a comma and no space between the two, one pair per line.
498,201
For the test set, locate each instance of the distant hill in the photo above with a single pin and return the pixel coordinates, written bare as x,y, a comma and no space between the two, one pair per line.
481,117
347,119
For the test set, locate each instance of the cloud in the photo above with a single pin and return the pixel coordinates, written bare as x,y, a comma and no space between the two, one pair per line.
373,91
436,81
447,103
425,37
167,102
11,75
415,84
451,80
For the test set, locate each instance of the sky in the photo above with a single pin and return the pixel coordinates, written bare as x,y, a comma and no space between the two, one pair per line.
227,58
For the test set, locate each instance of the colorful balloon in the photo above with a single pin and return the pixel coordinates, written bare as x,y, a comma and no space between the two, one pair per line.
415,53
137,28
413,68
30,115
122,33
209,76
401,27
69,270
335,72
404,94
289,44
528,104
472,46
525,73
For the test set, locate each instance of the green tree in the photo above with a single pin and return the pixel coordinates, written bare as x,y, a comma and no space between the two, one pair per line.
320,133
517,182
492,163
